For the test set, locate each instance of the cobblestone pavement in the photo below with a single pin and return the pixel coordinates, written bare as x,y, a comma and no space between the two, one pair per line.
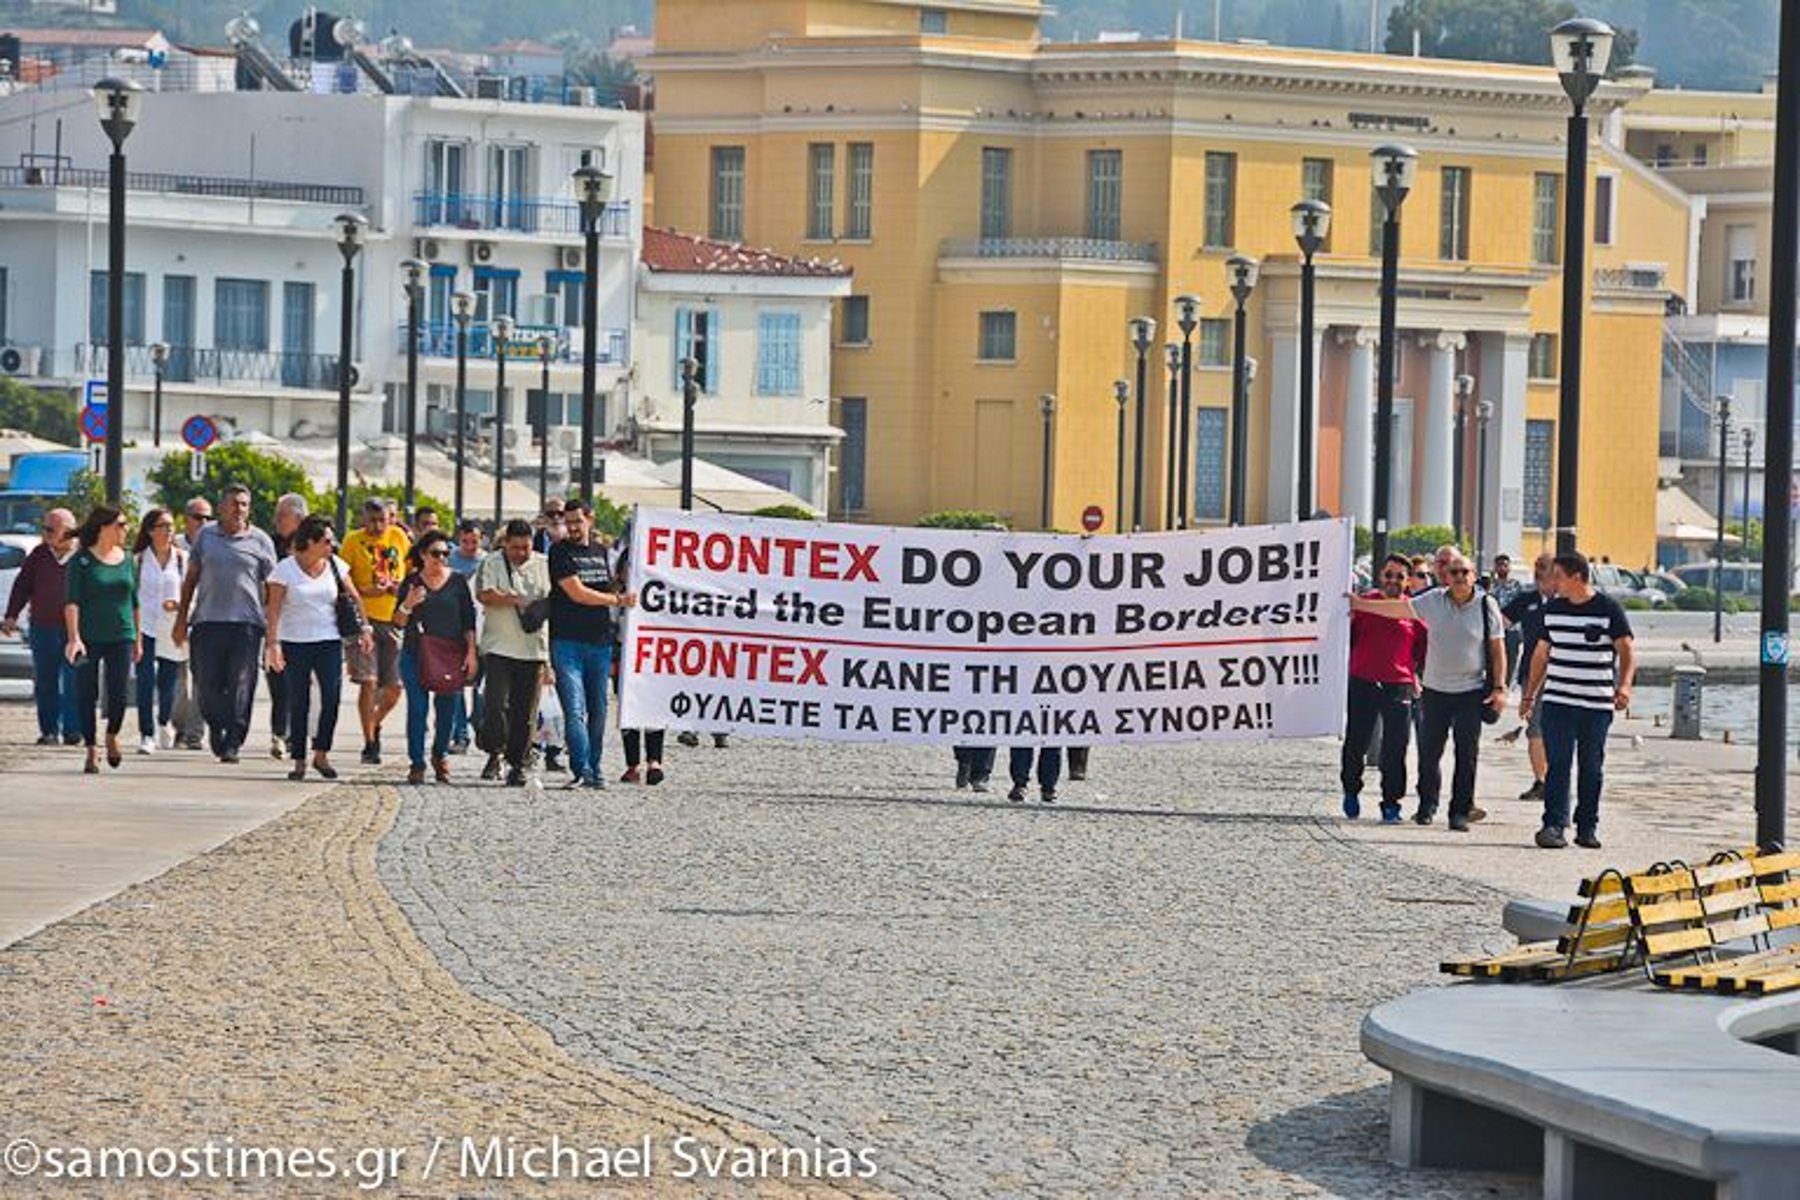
1151,989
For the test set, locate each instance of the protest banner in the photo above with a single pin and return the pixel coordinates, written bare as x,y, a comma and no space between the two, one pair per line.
869,633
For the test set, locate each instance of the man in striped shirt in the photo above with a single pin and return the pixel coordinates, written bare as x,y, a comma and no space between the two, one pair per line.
1581,672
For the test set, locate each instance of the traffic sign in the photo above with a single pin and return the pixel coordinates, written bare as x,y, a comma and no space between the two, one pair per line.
93,423
94,395
199,432
1092,518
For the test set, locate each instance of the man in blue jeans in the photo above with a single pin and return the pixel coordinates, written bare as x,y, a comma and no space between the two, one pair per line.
39,590
582,600
1581,673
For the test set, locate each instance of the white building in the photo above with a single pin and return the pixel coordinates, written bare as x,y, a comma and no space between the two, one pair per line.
758,326
232,258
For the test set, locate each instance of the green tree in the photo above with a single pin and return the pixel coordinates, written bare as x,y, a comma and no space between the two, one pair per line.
42,414
86,489
1514,31
268,476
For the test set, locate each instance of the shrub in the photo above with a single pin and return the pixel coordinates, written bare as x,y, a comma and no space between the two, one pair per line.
1700,599
1635,604
960,519
786,512
49,415
267,476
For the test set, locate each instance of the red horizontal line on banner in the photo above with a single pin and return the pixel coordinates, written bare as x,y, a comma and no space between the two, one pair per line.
827,641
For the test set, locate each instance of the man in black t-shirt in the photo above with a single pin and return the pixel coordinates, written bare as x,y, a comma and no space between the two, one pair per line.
582,600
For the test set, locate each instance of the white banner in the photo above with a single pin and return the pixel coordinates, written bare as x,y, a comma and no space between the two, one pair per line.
871,633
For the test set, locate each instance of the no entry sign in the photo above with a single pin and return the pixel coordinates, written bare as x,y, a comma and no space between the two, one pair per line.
1092,518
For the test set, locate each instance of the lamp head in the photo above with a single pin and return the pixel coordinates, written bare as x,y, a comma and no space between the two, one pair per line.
1121,392
159,353
1749,436
1143,333
1395,167
1484,410
353,229
1580,48
547,345
1243,271
1312,225
1047,405
1250,366
1172,350
1722,410
1189,308
1465,386
462,307
501,329
593,188
119,102
414,270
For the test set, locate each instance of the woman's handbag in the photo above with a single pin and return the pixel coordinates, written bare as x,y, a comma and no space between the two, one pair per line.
349,613
441,661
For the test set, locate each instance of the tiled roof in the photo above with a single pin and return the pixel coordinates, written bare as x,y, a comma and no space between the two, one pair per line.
682,253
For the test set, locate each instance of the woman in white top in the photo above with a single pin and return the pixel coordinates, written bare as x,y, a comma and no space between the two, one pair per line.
160,565
304,638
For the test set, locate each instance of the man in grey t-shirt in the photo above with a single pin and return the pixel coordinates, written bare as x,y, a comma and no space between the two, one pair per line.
1465,673
222,608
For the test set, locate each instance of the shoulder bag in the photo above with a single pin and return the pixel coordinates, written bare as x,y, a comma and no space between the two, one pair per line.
535,613
349,615
441,661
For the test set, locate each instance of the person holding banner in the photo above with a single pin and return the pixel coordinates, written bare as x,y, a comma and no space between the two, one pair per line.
974,767
1464,679
581,638
1049,772
643,747
1384,663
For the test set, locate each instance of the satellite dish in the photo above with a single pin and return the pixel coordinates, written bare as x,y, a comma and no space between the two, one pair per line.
397,46
348,32
242,30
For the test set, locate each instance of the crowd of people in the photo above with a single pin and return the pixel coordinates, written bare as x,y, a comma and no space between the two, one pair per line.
1434,655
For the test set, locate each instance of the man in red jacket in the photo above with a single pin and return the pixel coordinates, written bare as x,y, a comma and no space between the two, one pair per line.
40,586
1384,663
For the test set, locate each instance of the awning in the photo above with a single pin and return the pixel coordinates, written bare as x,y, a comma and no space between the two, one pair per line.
1681,518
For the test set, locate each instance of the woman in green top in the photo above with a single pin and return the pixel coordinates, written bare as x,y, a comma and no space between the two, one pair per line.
100,609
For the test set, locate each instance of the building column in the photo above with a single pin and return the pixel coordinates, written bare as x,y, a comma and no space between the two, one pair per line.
1284,423
1438,446
1505,361
1357,480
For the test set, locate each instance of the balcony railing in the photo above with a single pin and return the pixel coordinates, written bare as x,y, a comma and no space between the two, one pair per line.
1633,279
52,175
438,340
521,214
1090,249
195,364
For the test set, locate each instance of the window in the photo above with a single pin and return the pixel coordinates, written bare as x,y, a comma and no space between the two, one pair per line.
934,20
853,328
134,308
727,193
496,293
1699,154
297,336
1740,251
999,337
1453,215
565,288
444,186
821,172
1540,444
1315,184
778,354
996,193
697,337
178,326
1603,210
859,219
1665,154
438,290
1546,206
1209,464
1215,342
853,416
1377,221
1542,363
563,408
1105,176
509,205
1221,199
240,314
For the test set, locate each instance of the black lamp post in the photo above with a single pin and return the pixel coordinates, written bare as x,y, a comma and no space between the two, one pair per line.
1394,167
1580,48
1172,355
1047,406
1484,417
119,101
1748,435
462,307
593,188
1188,310
501,330
1143,334
1722,414
415,291
690,400
546,352
1312,225
352,229
159,359
1243,272
1465,388
1122,395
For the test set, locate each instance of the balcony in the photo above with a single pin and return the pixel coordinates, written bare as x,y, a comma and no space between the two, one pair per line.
438,340
52,175
1084,249
1643,278
219,368
515,214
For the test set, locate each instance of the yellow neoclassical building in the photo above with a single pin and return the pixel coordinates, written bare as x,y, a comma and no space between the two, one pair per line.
1009,204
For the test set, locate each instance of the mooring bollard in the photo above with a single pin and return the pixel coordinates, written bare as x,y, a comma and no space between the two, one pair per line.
1690,689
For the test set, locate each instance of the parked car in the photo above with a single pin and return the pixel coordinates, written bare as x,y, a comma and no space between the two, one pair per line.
1736,578
1622,583
15,655
1665,583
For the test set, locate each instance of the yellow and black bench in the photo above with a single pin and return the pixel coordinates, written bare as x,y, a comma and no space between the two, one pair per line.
1601,938
1758,898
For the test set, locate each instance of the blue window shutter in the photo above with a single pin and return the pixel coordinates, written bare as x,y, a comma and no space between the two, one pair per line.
684,340
790,353
712,351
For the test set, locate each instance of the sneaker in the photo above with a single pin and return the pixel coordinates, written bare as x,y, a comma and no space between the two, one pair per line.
1017,795
190,743
1550,838
71,739
978,785
165,738
228,755
1390,814
515,777
371,753
49,739
1459,824
689,738
1423,816
962,774
459,746
1587,840
653,775
147,744
1475,814
1048,795
594,783
630,775
490,771
720,741
1077,775
1534,792
278,747
552,758
1352,806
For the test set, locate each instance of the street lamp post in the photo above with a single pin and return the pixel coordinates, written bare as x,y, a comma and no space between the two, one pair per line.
1188,308
1172,355
415,292
1143,333
1312,225
1394,167
352,229
501,330
1748,435
1721,413
462,307
1047,406
546,352
1465,387
1484,417
159,359
1243,271
1580,48
593,188
1122,396
690,400
119,101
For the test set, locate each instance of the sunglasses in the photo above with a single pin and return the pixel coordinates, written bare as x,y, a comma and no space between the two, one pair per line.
437,554
1458,572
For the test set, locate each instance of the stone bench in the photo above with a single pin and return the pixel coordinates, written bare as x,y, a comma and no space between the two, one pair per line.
1606,1088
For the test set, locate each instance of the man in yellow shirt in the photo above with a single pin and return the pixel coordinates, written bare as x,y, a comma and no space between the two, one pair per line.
377,557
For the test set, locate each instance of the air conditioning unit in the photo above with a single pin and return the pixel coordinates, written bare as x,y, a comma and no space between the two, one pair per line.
490,87
21,360
568,439
429,249
357,372
569,257
481,253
